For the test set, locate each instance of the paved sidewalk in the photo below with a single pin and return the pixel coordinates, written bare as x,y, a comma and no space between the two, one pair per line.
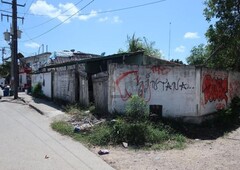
44,107
27,137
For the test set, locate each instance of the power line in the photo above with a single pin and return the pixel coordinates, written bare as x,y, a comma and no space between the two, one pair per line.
61,22
28,7
114,10
130,7
54,17
100,12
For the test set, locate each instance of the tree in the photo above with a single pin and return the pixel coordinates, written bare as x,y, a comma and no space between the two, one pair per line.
224,35
199,55
176,61
141,44
5,69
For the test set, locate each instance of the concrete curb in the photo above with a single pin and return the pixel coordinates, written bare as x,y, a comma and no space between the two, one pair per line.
35,108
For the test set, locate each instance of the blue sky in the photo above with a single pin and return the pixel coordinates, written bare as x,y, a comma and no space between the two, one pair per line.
93,30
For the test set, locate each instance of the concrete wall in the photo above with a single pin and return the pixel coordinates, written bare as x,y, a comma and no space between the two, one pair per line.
83,89
22,80
100,92
45,80
174,88
218,88
65,85
180,91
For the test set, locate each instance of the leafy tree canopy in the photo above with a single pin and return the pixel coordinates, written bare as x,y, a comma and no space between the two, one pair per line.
199,55
141,44
176,61
5,69
224,35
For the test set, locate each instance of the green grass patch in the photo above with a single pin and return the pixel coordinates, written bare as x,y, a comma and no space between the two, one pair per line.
143,135
133,128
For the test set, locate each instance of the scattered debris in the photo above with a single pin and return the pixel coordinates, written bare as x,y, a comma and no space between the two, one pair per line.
103,152
46,156
125,144
84,122
76,129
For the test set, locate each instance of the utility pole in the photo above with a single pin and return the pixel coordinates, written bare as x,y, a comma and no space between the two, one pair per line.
169,43
14,45
3,53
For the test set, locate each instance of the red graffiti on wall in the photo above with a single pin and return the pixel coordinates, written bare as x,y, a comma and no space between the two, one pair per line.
160,70
127,94
214,89
142,87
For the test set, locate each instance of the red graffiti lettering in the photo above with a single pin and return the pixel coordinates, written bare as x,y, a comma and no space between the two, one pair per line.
214,89
141,86
160,70
127,94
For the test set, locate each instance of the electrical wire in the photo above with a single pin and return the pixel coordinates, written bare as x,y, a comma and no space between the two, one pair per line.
53,17
130,7
114,10
61,22
100,12
28,7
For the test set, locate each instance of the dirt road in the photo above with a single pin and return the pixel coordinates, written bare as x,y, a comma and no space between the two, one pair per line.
222,153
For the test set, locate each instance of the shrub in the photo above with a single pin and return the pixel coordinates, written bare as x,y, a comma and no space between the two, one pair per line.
101,135
133,133
37,90
136,109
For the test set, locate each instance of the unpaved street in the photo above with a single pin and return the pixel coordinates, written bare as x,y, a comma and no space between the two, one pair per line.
223,153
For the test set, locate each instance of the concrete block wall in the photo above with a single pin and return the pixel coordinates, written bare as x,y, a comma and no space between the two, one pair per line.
45,80
100,92
174,88
83,89
64,85
218,88
180,91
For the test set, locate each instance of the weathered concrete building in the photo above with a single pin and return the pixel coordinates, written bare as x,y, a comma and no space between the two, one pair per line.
170,90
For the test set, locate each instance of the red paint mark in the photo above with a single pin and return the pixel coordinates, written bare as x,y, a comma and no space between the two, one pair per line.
214,89
142,88
160,70
122,77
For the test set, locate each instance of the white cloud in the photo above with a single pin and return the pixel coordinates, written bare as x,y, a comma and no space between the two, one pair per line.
191,35
43,8
32,45
104,19
61,12
114,20
180,49
86,17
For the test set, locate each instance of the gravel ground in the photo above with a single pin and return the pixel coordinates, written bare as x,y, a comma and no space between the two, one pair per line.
222,153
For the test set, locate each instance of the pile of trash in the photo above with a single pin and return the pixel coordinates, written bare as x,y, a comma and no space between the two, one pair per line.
84,122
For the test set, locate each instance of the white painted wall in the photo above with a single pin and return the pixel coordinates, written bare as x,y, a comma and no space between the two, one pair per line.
45,79
183,91
22,79
65,85
172,87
